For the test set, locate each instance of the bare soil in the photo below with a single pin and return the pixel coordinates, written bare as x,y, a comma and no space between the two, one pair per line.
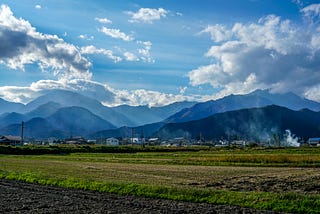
307,184
20,197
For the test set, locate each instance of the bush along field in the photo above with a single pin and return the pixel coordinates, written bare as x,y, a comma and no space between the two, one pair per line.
278,179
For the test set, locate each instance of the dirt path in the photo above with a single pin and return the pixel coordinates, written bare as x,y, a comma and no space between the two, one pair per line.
19,197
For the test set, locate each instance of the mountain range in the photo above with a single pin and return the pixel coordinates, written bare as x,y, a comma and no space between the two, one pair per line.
68,99
256,124
146,115
258,98
66,113
61,114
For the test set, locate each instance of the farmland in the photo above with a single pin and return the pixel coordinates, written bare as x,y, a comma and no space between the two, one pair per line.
278,179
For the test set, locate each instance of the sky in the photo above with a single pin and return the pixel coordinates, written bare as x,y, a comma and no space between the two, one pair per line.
142,52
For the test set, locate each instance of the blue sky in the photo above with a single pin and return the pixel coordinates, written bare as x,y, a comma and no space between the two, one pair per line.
159,52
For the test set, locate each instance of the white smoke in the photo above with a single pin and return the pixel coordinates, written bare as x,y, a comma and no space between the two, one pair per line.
291,139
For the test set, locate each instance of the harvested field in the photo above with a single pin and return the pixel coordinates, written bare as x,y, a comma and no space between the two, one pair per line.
231,178
20,197
274,180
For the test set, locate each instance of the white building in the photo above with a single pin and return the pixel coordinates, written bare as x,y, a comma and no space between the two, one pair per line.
153,141
314,141
136,140
112,141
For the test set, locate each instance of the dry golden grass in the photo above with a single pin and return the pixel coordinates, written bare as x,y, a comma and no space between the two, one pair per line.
276,179
286,180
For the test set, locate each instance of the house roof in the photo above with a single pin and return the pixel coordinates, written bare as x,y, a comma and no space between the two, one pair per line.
10,138
314,139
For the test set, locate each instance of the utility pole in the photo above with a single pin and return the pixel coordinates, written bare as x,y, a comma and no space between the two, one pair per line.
132,134
22,129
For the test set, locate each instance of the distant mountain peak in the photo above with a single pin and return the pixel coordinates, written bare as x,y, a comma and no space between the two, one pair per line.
258,98
69,98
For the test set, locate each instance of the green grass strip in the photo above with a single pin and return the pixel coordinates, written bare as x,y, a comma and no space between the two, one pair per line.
284,202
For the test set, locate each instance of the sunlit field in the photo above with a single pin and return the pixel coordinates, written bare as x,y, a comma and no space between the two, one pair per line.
277,179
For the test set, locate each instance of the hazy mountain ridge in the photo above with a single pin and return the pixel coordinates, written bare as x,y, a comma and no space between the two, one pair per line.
44,110
146,115
66,113
34,128
7,119
258,98
78,120
144,131
68,99
6,106
65,122
257,124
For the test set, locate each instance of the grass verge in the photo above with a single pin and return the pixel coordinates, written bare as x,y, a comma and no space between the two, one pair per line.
282,202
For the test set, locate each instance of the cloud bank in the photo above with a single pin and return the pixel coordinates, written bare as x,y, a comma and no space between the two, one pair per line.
21,44
271,53
99,91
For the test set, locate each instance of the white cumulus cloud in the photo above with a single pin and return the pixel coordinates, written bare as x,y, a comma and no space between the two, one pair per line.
18,94
95,90
311,10
86,37
218,32
116,33
146,97
94,50
130,56
144,52
271,53
103,20
21,44
147,15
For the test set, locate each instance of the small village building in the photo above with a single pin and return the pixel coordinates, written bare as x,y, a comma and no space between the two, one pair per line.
136,140
112,141
10,140
222,143
239,143
153,141
76,140
52,140
314,141
91,141
178,141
